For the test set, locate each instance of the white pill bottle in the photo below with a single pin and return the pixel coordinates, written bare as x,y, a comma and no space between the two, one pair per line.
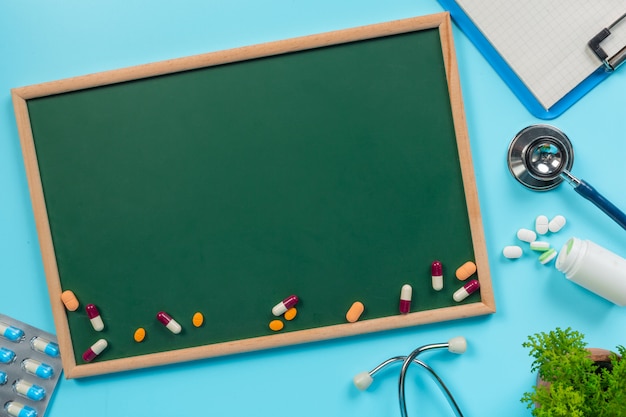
594,268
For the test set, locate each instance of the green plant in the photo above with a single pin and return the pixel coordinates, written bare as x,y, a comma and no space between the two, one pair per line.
570,383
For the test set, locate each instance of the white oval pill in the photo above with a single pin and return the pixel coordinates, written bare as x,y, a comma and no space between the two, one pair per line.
526,235
539,246
512,252
547,256
556,224
541,224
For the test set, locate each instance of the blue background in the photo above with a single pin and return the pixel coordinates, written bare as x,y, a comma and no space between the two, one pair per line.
44,41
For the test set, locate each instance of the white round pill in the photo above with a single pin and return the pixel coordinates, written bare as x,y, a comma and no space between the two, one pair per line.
512,252
526,235
541,224
557,223
539,246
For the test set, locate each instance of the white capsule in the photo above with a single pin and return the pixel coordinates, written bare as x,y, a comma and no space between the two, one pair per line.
557,223
539,246
512,252
526,235
541,224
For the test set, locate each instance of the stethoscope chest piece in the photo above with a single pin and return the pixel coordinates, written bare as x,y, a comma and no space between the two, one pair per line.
538,155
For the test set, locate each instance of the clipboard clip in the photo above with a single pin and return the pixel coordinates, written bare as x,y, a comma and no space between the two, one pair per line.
610,62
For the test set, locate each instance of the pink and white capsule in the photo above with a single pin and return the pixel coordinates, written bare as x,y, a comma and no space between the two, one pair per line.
280,308
406,293
95,349
167,320
436,271
466,290
94,317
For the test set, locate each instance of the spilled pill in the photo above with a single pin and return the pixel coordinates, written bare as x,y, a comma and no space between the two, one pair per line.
40,369
3,378
540,246
280,308
197,319
167,320
276,325
290,314
42,345
27,390
95,350
557,223
15,409
436,273
547,256
94,317
526,235
466,290
406,293
466,270
140,335
512,252
541,224
69,300
355,311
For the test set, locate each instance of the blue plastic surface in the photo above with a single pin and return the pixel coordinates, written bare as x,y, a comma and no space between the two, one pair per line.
45,41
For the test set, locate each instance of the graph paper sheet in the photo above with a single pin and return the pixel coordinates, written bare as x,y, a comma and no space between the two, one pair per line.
545,41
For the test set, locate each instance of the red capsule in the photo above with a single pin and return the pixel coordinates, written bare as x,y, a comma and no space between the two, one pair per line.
94,317
406,294
436,271
280,308
466,290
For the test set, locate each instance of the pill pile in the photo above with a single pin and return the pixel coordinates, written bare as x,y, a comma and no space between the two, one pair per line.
543,226
30,366
71,303
463,272
285,308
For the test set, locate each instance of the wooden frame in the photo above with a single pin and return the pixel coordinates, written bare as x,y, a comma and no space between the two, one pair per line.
22,95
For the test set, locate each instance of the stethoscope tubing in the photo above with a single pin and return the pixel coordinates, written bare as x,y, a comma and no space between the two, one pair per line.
587,191
406,362
412,357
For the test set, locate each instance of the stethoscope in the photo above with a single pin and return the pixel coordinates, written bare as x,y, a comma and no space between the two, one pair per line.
540,158
455,345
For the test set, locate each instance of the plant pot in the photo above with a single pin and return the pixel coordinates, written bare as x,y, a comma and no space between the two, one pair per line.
601,357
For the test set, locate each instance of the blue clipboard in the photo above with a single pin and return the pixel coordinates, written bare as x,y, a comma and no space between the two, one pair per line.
606,66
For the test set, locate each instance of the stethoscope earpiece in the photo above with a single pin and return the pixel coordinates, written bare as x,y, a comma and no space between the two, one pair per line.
455,345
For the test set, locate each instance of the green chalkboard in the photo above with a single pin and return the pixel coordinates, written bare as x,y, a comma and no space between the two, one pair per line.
331,172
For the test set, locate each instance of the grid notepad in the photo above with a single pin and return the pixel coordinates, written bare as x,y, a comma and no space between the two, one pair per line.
545,42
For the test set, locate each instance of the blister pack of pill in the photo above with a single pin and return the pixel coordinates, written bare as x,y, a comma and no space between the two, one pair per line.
30,367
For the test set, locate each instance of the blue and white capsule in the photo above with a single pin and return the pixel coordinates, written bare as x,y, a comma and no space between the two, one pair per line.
6,355
45,346
3,377
15,409
11,333
37,368
27,390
